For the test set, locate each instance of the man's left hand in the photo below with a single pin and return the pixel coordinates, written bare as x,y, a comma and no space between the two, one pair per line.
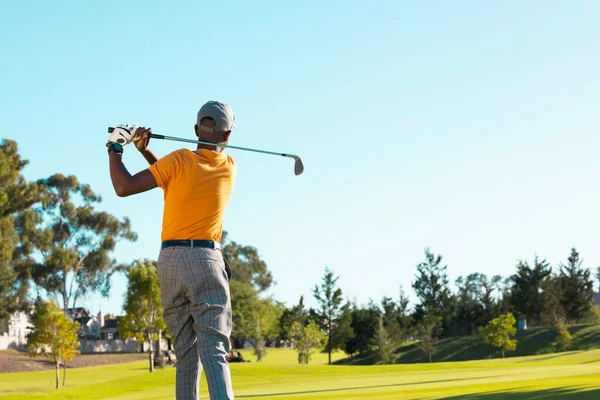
122,134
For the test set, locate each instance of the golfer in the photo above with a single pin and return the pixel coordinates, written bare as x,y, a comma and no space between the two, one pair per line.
194,277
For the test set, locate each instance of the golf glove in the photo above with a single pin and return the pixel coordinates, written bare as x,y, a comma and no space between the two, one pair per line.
122,134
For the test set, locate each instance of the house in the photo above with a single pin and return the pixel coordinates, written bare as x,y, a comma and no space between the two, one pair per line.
110,329
97,333
89,326
15,336
78,313
97,327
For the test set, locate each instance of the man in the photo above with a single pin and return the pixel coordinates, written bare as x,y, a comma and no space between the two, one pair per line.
194,277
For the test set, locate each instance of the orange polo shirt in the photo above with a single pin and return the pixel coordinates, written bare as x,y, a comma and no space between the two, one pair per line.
197,187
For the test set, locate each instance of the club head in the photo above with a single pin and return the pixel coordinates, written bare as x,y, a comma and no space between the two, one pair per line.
298,166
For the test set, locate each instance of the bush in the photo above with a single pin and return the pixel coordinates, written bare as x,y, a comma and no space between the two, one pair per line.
564,338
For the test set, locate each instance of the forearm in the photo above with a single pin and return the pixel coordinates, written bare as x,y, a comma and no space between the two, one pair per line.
119,175
125,184
150,156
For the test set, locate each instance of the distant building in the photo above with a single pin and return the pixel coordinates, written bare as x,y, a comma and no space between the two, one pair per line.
96,327
110,330
78,313
15,337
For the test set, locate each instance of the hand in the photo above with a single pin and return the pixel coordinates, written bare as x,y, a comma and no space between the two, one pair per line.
122,134
141,139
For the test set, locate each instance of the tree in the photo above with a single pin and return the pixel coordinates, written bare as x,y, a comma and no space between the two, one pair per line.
526,294
432,288
244,303
329,297
504,287
490,304
246,264
499,333
396,319
143,306
469,308
405,320
429,329
75,241
307,339
343,327
564,338
390,318
265,317
296,313
53,335
250,279
364,325
598,277
553,312
476,305
386,345
577,287
16,197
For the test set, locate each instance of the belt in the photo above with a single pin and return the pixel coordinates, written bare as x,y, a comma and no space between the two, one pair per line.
208,244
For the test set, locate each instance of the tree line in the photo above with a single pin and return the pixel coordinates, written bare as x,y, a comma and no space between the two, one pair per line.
542,295
53,239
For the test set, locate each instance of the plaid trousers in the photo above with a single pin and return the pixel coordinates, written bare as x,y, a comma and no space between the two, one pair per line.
194,284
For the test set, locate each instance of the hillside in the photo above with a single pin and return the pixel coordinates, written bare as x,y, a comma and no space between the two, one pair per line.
530,342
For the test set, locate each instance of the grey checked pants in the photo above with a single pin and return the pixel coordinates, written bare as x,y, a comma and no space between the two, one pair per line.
194,288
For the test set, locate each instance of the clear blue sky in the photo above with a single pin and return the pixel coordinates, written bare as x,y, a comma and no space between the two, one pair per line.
470,127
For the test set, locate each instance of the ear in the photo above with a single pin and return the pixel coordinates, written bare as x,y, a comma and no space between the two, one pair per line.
226,136
196,130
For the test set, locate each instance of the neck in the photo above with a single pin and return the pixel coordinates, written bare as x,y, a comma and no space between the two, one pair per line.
210,147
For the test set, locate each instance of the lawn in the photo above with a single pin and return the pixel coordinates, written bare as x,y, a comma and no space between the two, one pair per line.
574,375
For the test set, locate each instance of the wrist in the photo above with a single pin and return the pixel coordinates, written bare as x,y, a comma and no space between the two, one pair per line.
114,148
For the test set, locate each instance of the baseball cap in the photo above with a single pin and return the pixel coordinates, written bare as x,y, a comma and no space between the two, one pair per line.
220,112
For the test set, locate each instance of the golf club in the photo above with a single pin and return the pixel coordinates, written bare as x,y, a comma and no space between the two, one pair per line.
298,166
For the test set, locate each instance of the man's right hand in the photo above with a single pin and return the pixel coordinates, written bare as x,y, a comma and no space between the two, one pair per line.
142,142
141,139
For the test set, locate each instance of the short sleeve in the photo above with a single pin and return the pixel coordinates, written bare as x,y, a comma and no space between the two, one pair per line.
165,169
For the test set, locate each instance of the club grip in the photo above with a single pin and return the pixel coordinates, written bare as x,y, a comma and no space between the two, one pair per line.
155,136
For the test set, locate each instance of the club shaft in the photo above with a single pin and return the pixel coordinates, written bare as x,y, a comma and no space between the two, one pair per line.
176,139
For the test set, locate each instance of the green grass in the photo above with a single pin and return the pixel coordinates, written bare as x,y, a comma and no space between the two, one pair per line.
573,375
465,348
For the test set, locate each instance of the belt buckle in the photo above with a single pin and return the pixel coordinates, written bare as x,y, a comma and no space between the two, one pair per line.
192,243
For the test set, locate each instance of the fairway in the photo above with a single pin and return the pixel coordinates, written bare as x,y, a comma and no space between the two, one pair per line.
573,375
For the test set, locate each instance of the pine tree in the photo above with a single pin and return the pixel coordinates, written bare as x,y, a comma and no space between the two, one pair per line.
577,288
329,297
432,289
527,284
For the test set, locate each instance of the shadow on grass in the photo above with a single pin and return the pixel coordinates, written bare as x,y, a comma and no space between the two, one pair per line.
591,362
353,388
576,393
535,360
